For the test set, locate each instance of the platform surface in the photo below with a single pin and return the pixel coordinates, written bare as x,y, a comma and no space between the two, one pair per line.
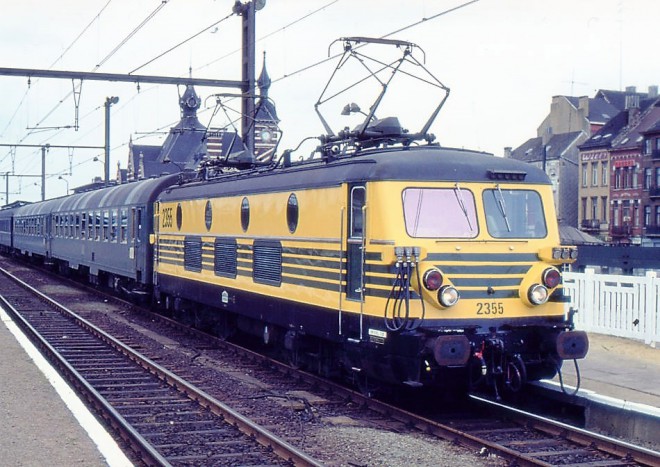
620,368
42,421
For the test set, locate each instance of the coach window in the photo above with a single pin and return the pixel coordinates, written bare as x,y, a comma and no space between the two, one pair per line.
83,225
179,216
123,225
106,225
245,214
97,225
292,213
114,217
90,225
138,220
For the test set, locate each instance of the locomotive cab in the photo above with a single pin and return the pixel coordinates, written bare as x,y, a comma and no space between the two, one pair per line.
477,276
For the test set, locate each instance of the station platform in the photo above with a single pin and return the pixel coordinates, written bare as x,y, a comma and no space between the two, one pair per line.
618,368
42,421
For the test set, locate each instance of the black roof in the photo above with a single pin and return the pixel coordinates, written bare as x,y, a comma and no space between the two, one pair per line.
533,149
422,163
606,136
618,98
603,138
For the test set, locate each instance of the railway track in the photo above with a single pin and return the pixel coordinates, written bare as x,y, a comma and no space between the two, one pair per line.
165,419
516,437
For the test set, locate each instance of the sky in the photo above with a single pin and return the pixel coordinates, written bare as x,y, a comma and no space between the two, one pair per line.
502,59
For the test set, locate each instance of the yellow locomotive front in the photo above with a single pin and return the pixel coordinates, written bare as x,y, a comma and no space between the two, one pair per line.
477,278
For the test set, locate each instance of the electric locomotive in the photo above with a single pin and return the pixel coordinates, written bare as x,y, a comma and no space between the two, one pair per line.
383,257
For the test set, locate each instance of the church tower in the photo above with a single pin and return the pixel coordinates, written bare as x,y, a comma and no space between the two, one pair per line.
267,131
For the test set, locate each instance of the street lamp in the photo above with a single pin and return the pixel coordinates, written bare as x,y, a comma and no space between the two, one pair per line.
65,181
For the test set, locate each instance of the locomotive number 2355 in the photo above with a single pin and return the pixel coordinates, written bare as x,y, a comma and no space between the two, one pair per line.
490,308
167,218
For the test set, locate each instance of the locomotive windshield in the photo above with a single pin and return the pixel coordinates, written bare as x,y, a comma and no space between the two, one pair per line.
514,213
439,212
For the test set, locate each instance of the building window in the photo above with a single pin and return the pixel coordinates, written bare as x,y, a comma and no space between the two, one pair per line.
657,216
594,174
603,203
626,212
584,175
594,207
647,215
648,176
636,215
648,146
605,173
584,208
635,177
617,179
657,177
615,215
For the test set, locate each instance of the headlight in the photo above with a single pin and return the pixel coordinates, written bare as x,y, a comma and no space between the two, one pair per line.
538,294
432,279
551,278
448,296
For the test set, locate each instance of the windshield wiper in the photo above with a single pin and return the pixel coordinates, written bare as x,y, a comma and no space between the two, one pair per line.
461,202
502,206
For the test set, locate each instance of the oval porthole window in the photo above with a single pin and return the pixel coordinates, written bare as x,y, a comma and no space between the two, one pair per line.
208,215
292,212
179,216
245,214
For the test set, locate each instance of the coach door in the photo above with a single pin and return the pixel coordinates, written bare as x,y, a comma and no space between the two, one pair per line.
355,248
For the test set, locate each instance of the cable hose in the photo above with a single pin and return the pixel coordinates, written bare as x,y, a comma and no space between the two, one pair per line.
561,379
391,325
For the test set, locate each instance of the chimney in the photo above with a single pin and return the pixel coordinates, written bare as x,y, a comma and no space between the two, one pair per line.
653,91
507,152
631,89
632,101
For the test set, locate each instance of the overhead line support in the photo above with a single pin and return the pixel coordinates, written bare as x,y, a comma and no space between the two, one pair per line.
119,77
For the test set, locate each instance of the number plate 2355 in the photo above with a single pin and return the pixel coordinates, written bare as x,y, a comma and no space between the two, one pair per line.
490,308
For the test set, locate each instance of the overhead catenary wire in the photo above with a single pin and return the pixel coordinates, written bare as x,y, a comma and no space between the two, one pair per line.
149,17
417,23
181,43
66,50
131,34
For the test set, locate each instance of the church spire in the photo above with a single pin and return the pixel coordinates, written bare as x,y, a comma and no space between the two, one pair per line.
264,80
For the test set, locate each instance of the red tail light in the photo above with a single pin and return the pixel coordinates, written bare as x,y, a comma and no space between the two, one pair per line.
433,279
551,278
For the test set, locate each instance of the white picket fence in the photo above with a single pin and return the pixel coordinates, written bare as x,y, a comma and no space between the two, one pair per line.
624,306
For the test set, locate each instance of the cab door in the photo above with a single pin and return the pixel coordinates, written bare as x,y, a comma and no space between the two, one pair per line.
356,243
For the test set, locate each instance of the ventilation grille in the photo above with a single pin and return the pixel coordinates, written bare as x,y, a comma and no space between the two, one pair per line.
267,262
192,254
225,252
